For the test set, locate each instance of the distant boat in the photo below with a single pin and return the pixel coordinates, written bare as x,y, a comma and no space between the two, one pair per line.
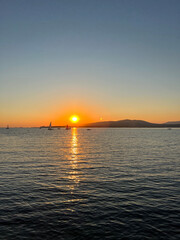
67,127
88,129
50,127
7,127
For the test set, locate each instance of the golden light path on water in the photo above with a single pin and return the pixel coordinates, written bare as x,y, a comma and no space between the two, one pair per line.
73,173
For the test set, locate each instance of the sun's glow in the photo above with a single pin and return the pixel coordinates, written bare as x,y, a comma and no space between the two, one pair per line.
74,119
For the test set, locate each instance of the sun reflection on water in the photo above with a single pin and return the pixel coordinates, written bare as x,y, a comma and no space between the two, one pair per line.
73,173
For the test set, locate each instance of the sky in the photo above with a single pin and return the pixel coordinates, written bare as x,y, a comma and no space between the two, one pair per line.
98,59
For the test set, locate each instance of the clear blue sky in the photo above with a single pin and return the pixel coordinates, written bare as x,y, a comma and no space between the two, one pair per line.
118,58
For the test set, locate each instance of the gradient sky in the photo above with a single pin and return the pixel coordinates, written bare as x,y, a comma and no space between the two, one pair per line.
109,59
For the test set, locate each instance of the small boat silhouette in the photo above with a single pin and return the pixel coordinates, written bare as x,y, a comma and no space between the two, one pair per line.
7,127
50,127
67,127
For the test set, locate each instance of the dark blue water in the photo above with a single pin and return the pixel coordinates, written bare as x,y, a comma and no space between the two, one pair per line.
98,184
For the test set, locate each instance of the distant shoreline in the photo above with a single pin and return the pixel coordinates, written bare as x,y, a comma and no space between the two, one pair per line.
85,127
108,127
125,124
117,124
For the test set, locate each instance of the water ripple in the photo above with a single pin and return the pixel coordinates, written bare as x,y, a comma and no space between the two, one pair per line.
99,184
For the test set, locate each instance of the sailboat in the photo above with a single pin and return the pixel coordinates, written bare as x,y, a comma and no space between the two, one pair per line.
50,127
7,127
67,127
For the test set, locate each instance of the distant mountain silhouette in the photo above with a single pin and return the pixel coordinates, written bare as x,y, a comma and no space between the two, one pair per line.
130,123
175,122
127,123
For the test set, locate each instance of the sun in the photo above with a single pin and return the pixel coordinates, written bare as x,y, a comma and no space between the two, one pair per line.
74,119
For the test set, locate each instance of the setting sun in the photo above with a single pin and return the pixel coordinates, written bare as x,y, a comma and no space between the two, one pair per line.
74,119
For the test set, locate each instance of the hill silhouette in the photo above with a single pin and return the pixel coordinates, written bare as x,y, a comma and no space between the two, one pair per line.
130,123
174,122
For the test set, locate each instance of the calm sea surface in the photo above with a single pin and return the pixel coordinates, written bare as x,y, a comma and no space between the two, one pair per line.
98,184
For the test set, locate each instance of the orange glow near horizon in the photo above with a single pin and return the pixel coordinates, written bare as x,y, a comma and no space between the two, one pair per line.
80,113
75,114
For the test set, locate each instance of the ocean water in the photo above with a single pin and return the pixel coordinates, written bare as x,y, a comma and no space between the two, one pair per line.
98,184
